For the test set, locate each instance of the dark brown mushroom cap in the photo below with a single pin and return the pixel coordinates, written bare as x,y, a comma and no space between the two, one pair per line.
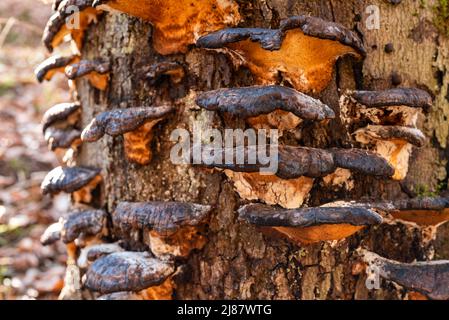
83,223
271,39
127,271
52,234
61,138
424,203
362,161
429,278
84,67
50,64
410,97
168,68
268,216
162,217
120,121
319,28
59,112
59,18
293,162
68,179
103,249
254,101
411,135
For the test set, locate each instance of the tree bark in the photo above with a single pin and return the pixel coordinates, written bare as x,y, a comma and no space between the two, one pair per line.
239,262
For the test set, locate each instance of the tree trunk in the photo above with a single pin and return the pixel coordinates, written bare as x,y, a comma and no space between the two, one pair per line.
238,261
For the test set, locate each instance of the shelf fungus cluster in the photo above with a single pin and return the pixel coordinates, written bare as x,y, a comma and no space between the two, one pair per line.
385,121
135,124
266,107
177,23
429,279
70,20
310,225
78,181
303,50
95,71
297,168
61,132
171,230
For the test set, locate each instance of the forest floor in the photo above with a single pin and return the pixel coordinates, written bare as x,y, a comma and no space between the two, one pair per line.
27,269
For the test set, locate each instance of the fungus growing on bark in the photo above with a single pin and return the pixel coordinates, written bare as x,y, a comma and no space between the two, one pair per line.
96,71
93,252
304,50
52,234
127,271
171,69
67,22
62,116
135,124
60,141
296,170
47,69
80,181
177,24
309,225
82,225
430,278
388,120
394,143
282,107
170,228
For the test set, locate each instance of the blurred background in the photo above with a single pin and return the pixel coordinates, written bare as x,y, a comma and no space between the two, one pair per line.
27,269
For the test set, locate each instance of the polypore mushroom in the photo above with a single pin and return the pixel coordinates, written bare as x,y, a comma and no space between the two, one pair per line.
304,50
47,69
80,181
95,251
96,71
171,69
52,234
171,228
60,141
394,143
278,106
127,271
56,4
296,169
58,27
430,278
309,225
177,23
84,224
62,116
135,124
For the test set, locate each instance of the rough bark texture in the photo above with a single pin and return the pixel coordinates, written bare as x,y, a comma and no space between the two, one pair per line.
239,261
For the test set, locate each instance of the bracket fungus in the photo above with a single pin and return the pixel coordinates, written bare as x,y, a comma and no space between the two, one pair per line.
304,50
52,234
394,143
430,278
296,170
94,251
171,69
170,228
68,21
47,69
62,116
80,181
387,120
96,71
310,225
135,124
62,140
177,23
423,211
127,271
277,106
